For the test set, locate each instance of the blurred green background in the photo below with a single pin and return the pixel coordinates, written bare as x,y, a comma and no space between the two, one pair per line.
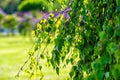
17,20
13,53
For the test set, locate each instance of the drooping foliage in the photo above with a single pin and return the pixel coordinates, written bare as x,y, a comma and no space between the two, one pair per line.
89,40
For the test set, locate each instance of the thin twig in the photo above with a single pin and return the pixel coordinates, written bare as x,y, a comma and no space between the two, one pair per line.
24,65
21,68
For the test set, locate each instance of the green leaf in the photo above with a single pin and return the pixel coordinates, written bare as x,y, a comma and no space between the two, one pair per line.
48,40
99,75
36,48
91,77
116,71
40,67
105,60
67,61
48,29
38,40
118,9
57,70
118,2
88,33
107,75
102,36
69,39
71,74
95,65
117,54
43,35
117,32
51,22
113,47
41,56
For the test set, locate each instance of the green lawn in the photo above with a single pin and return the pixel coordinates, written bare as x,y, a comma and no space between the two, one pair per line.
13,53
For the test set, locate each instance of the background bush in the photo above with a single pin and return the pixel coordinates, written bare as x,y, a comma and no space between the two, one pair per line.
10,22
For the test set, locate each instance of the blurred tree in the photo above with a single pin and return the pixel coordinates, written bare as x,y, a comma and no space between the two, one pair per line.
9,6
3,3
28,5
25,26
56,4
10,23
1,15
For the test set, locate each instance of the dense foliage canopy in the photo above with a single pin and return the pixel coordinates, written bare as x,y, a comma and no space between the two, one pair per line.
89,40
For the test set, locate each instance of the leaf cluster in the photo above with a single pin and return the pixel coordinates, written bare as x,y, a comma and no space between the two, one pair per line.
89,40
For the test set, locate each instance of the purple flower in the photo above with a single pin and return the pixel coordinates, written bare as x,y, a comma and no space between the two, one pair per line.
64,12
56,14
46,15
23,14
66,15
22,19
67,9
2,12
34,20
20,14
29,14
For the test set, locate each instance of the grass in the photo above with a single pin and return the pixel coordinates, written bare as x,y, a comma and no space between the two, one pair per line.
13,53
